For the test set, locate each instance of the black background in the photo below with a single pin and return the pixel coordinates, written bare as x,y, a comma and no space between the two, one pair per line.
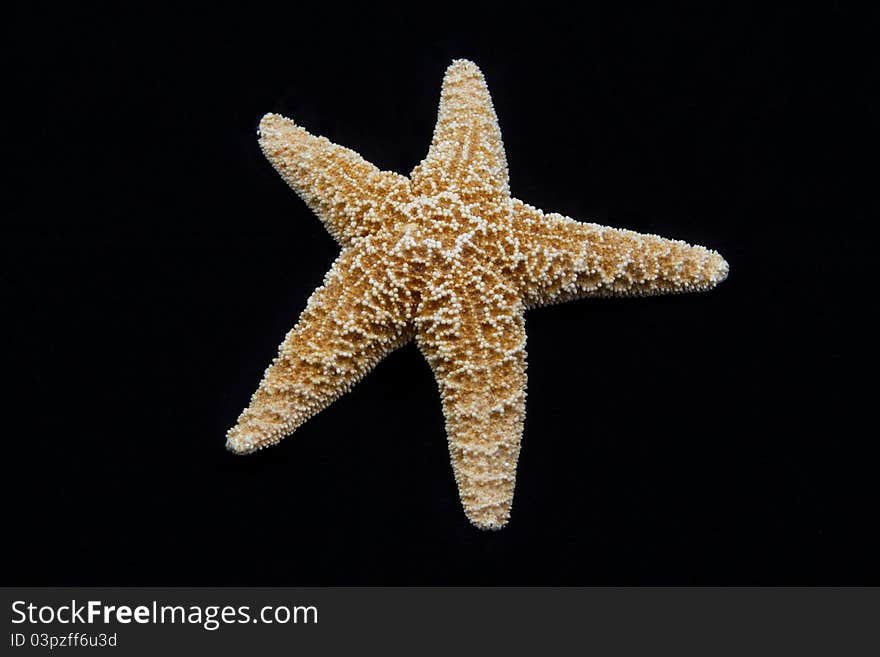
152,262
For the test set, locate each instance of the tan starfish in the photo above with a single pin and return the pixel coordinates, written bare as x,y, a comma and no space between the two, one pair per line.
449,258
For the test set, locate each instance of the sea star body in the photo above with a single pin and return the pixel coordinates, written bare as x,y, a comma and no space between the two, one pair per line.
446,257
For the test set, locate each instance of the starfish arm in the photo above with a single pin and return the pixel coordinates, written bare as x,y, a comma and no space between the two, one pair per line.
351,196
472,333
358,316
562,259
466,153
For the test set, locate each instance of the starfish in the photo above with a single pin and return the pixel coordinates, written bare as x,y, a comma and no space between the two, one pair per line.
445,257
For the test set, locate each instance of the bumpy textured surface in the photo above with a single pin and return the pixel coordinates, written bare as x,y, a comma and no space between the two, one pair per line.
447,257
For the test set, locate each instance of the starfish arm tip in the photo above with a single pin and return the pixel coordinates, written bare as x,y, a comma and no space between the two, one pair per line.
462,70
489,526
240,446
272,126
491,519
715,271
462,63
723,270
270,118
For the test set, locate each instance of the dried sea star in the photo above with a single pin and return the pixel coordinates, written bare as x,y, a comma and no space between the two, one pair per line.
449,258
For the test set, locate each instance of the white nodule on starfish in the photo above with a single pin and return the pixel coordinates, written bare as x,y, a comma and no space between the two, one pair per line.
446,257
